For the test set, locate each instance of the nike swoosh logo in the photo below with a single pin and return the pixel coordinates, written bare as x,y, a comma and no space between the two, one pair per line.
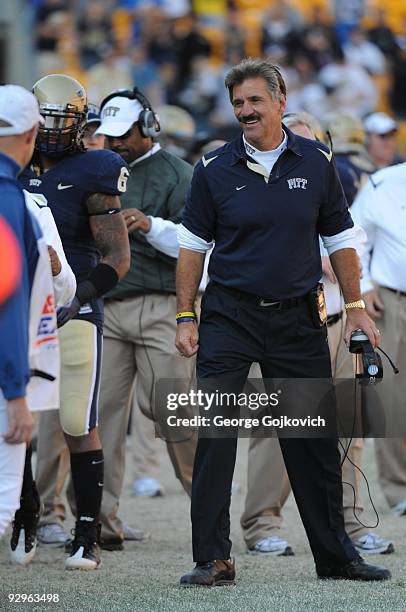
100,484
328,155
60,186
238,188
96,462
207,161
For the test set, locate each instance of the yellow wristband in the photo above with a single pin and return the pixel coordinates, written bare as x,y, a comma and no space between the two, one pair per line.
185,314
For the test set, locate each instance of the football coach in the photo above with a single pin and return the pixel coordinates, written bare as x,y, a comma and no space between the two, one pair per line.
263,199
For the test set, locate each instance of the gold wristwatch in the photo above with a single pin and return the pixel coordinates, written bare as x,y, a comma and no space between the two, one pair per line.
357,304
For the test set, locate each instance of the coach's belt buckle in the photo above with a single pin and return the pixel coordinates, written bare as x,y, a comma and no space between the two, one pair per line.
265,304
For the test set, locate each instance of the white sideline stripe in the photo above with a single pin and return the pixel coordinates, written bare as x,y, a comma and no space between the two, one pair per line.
89,405
98,390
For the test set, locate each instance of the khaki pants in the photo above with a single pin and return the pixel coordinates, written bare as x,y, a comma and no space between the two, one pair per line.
391,452
145,451
53,467
268,484
139,340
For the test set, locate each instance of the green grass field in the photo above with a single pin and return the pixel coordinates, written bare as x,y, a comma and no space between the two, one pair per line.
146,575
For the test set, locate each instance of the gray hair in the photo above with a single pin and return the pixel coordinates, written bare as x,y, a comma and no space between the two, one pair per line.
251,68
306,119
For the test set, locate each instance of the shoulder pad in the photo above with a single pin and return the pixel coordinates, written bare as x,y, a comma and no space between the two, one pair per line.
104,171
102,160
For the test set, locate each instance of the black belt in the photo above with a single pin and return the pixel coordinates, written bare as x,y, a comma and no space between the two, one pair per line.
400,293
334,318
262,302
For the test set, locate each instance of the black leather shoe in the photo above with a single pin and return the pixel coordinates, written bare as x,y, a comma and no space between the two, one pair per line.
356,570
212,573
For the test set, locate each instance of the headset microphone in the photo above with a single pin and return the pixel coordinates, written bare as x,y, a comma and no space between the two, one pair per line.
148,121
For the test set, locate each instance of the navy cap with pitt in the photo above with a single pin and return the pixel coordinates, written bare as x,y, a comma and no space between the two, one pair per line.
93,115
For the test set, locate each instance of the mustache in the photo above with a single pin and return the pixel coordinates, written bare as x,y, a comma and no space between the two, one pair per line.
248,118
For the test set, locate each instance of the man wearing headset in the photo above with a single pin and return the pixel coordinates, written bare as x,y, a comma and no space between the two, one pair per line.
140,312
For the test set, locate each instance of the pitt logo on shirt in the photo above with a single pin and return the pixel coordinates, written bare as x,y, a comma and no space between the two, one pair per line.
297,183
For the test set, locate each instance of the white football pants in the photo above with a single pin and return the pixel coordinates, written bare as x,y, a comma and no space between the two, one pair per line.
12,459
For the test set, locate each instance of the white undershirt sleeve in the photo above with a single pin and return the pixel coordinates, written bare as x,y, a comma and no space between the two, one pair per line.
352,238
188,240
163,236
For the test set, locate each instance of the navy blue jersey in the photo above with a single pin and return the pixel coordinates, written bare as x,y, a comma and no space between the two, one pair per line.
66,187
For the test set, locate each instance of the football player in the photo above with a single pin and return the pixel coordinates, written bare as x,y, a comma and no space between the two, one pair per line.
82,189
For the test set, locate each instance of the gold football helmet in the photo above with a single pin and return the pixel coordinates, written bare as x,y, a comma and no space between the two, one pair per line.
176,122
63,104
345,130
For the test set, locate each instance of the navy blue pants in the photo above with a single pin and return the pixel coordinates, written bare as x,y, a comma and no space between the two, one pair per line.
234,334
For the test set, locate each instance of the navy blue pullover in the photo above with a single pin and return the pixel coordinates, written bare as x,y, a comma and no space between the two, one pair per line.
266,228
14,368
